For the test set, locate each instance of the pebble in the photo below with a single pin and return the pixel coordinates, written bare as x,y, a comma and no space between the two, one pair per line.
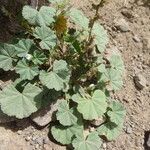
46,140
104,146
136,39
97,122
122,25
140,81
19,132
28,138
128,130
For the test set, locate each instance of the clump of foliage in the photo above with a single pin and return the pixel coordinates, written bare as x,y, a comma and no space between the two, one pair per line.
62,56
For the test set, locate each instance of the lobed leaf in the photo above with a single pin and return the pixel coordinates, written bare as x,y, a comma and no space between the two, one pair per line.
43,17
47,37
110,130
65,115
117,113
7,56
20,105
92,142
100,37
26,71
23,47
64,135
79,18
58,78
38,58
94,107
113,79
117,63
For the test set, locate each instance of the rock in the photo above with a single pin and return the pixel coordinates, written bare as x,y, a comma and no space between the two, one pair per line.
97,122
127,13
140,81
122,25
128,130
44,116
136,39
104,145
11,141
148,142
19,132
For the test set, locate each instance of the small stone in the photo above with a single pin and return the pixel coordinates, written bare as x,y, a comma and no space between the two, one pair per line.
140,81
104,145
39,140
136,39
37,146
28,138
97,122
122,25
46,140
19,132
92,129
129,130
127,13
148,142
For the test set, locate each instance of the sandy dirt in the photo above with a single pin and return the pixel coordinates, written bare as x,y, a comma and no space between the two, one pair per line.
134,46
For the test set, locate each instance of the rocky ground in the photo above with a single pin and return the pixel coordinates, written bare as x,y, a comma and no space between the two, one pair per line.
128,26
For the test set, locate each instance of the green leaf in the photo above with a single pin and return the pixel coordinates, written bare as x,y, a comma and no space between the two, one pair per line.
26,71
92,142
23,47
79,18
100,37
47,37
51,80
117,63
113,79
65,115
110,130
38,58
64,135
117,113
30,14
46,16
58,78
94,107
101,68
20,105
43,17
7,56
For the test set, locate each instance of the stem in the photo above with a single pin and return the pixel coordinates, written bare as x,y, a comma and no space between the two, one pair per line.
95,18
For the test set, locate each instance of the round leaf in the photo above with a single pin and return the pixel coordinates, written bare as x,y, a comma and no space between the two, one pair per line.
20,105
110,130
65,115
26,71
64,135
100,37
7,56
92,108
117,113
92,142
47,37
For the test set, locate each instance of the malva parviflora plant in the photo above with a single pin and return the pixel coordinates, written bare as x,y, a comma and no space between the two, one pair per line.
62,56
